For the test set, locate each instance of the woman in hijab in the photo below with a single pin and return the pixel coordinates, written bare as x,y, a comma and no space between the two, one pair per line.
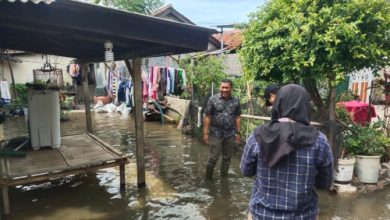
289,158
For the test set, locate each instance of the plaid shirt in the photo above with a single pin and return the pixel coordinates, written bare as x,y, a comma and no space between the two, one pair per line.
287,190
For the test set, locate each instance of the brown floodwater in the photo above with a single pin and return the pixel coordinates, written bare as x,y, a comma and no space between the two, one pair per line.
176,189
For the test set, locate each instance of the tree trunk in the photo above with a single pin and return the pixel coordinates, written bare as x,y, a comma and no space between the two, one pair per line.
249,95
332,117
311,87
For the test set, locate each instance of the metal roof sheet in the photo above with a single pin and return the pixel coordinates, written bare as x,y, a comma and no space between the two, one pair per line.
34,1
76,29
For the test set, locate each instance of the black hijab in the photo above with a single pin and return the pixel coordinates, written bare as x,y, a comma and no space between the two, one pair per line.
278,139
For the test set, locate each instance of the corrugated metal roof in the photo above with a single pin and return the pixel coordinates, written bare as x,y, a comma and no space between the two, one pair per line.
76,29
34,1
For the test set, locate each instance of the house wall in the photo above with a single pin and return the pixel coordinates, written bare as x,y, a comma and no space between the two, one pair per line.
23,72
233,65
360,83
165,61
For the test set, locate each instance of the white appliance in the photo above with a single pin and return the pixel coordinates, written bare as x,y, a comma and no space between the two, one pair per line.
44,118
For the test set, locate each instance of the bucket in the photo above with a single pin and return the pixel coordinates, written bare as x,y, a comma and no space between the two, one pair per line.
367,168
25,111
344,171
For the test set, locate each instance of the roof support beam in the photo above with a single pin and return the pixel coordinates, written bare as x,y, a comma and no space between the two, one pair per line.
135,72
87,99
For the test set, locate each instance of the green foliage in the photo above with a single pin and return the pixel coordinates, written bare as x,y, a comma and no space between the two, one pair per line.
239,87
140,6
65,107
21,98
203,71
343,115
67,104
316,39
367,141
346,96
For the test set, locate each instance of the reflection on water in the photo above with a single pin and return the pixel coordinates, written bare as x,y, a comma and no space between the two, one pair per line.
176,188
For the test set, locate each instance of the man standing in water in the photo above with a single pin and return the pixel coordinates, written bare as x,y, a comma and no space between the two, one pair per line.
223,113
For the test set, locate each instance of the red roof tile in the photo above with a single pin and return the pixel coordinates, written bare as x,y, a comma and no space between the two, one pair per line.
232,39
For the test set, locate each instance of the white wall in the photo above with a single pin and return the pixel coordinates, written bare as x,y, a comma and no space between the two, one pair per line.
23,72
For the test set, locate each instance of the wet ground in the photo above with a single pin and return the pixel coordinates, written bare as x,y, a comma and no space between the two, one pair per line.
175,182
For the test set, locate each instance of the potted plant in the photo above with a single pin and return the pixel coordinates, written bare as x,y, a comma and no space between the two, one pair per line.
65,107
368,144
345,163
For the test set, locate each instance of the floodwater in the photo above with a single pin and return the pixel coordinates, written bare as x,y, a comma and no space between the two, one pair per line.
176,188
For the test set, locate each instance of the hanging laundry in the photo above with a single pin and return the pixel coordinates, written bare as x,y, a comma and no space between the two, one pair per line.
168,89
144,87
162,88
150,82
74,69
114,84
129,94
183,78
177,88
164,81
75,72
4,90
155,82
122,91
172,78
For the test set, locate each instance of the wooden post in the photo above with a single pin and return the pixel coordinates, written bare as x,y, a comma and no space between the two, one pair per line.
5,200
122,176
332,120
135,71
87,99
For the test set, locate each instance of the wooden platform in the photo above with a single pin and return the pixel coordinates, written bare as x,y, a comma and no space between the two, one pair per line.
78,154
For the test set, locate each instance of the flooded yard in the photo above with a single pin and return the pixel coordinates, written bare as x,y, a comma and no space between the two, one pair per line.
176,188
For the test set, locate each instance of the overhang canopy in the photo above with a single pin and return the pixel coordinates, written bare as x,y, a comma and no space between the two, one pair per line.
76,29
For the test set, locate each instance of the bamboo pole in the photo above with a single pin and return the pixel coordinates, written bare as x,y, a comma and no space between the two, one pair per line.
135,72
87,100
12,76
269,119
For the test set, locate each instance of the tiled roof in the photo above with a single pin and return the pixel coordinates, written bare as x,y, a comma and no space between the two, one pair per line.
231,39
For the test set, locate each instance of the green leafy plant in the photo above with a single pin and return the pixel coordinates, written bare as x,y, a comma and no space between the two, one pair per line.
203,71
67,103
313,41
367,141
65,107
21,98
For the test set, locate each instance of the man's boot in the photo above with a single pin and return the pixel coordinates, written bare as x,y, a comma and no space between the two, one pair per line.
224,169
209,172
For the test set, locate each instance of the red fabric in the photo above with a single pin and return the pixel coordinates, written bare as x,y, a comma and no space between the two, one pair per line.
359,111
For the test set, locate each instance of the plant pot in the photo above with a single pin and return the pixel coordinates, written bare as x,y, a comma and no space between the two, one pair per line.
367,168
344,171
